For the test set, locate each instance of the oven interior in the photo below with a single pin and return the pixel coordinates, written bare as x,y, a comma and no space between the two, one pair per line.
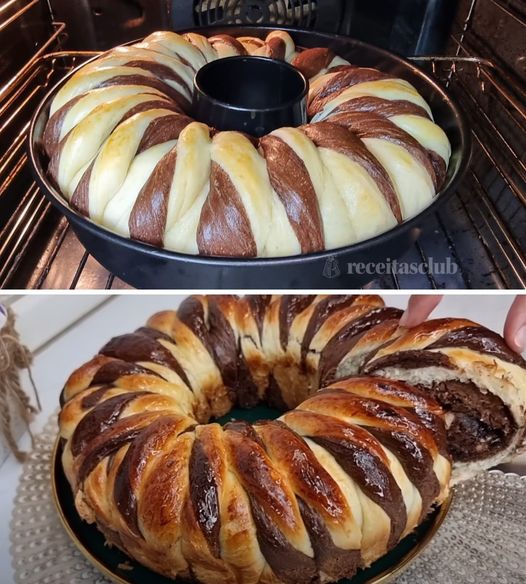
474,47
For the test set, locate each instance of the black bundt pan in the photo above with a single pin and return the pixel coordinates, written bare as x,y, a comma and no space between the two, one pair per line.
145,266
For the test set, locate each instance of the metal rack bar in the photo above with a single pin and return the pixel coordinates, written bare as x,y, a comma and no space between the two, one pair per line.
5,90
17,14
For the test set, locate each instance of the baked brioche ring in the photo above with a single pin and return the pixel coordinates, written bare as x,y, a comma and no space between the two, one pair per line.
327,488
124,152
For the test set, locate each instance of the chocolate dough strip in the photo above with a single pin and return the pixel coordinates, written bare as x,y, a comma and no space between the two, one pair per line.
323,310
191,313
415,359
221,345
373,126
337,137
290,306
110,441
372,476
162,72
91,400
111,371
345,339
289,565
101,417
148,105
277,48
240,380
245,429
204,496
380,106
258,305
290,179
147,221
141,347
80,198
416,462
311,61
163,129
228,40
481,339
149,440
330,559
181,101
307,477
50,138
224,228
339,82
273,396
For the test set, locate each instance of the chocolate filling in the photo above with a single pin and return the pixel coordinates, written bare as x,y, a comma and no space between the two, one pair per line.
409,360
482,424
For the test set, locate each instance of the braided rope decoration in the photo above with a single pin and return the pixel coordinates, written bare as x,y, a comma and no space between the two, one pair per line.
14,356
328,487
124,152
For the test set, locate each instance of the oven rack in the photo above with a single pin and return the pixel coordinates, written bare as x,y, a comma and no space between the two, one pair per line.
482,228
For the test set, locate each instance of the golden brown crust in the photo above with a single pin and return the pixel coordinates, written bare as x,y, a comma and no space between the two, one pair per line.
328,487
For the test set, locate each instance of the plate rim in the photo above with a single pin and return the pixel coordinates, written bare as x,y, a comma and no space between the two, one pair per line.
384,577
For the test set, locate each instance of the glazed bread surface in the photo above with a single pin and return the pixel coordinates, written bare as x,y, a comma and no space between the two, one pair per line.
331,485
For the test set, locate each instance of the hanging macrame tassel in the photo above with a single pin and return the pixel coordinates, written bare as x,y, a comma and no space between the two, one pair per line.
14,356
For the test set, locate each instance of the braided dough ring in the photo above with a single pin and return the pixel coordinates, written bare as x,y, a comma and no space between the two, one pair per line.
124,152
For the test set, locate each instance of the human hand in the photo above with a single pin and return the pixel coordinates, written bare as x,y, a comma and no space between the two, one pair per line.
421,306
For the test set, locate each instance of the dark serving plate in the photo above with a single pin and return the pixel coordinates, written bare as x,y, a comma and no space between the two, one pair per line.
145,266
120,568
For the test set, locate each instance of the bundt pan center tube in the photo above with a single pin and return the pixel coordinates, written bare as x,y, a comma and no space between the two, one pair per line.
285,158
254,95
355,462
